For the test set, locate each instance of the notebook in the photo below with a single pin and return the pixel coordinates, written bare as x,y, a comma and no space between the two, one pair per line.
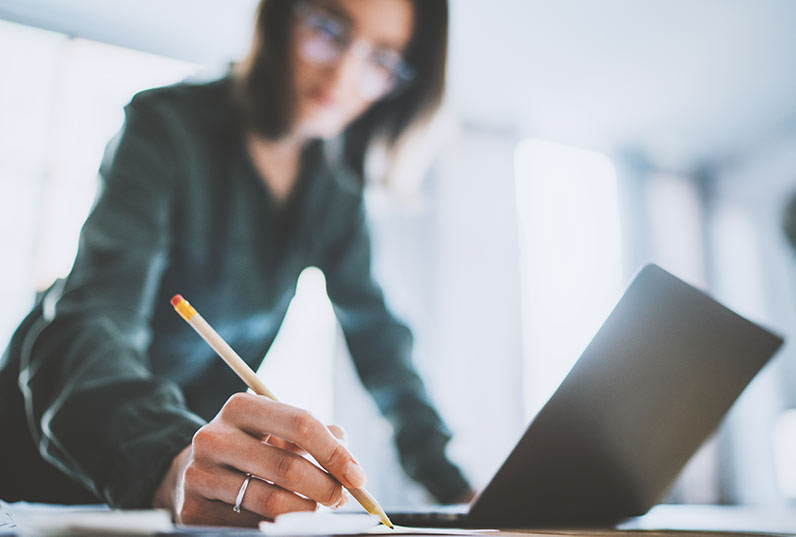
650,388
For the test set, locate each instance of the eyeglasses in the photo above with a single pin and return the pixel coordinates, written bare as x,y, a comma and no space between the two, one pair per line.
325,39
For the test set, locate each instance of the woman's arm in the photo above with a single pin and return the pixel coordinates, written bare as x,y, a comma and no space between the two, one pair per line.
93,405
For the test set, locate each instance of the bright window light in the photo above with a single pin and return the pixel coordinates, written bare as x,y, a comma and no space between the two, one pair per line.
95,82
675,218
25,95
571,257
737,250
60,103
784,448
305,349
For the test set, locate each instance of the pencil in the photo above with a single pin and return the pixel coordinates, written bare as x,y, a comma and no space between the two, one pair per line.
242,369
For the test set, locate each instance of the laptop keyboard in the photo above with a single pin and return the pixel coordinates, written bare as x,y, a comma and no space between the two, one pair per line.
433,517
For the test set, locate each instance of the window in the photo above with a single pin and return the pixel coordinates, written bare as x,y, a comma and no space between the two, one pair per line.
784,447
60,105
25,97
571,258
675,226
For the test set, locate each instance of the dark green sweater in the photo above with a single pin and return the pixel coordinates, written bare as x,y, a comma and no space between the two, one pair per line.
114,383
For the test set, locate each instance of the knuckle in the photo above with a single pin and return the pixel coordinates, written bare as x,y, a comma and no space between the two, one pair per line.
310,505
193,474
202,441
198,480
208,442
235,404
272,502
288,469
339,456
303,423
334,495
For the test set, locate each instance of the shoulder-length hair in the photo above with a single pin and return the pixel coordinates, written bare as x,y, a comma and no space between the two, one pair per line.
265,96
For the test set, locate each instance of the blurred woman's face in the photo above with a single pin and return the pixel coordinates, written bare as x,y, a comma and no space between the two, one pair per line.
346,54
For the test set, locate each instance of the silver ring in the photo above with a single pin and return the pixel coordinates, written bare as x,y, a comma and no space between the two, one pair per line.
241,492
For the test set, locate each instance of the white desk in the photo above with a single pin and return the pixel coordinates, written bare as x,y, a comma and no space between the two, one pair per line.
717,518
659,522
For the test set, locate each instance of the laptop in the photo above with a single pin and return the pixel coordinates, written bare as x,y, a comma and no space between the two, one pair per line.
649,389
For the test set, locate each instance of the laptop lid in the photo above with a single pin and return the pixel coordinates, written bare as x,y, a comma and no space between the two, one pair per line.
649,389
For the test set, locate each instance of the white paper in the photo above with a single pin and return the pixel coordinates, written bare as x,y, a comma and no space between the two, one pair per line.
326,523
304,523
406,530
66,520
6,522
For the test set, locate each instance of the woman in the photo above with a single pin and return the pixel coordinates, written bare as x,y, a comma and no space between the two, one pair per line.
225,192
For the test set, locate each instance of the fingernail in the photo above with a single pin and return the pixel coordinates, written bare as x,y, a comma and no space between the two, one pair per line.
355,475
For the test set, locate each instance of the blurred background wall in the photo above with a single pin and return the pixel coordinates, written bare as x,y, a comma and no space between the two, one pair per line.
579,140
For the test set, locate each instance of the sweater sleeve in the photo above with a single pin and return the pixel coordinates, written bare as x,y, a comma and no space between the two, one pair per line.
93,405
381,347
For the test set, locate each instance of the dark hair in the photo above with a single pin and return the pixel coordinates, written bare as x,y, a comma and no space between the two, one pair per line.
265,96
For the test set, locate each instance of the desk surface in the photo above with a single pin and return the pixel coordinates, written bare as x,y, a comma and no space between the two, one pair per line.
717,518
661,521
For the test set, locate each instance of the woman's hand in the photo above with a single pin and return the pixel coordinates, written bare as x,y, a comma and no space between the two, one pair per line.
253,434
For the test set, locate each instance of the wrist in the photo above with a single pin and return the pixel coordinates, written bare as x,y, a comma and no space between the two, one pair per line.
168,495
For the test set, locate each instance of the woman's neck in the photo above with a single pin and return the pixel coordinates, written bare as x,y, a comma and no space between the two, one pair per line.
277,162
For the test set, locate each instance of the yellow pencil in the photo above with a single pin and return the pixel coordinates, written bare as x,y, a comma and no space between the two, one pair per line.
251,379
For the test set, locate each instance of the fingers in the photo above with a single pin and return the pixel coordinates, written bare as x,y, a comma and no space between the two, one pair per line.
260,497
287,470
284,444
255,435
260,416
339,433
196,510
